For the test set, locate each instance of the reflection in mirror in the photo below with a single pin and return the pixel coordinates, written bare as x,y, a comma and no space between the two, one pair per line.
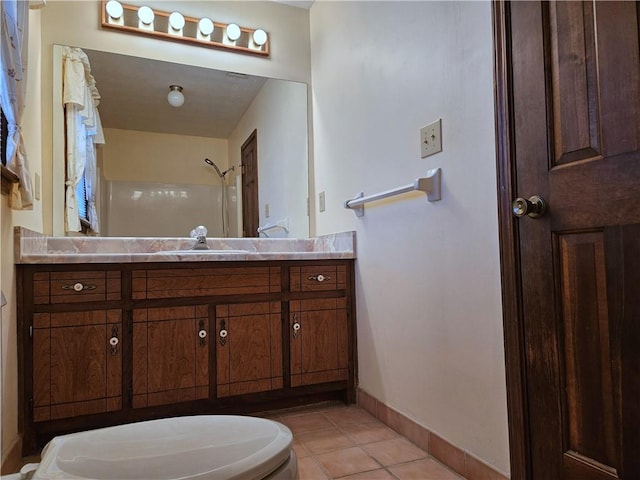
154,180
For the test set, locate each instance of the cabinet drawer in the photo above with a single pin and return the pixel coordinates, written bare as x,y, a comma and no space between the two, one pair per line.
318,277
75,287
172,283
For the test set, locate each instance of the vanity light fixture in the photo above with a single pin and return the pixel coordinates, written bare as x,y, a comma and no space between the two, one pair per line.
175,96
232,33
205,28
115,12
176,23
177,27
145,17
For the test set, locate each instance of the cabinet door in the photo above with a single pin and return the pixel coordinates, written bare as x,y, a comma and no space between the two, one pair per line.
170,355
319,341
77,363
249,349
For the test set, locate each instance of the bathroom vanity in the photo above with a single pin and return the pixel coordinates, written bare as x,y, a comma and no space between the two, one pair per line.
113,331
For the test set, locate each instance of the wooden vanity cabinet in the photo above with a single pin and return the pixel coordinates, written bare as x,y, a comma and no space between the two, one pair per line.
77,363
170,355
249,348
319,341
114,343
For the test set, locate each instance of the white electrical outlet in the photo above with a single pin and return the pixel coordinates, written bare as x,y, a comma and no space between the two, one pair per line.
266,210
321,205
431,138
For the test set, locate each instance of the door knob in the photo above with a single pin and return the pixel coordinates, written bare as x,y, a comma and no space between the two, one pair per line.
534,207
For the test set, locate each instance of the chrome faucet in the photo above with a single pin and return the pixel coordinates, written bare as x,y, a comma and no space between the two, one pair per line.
200,234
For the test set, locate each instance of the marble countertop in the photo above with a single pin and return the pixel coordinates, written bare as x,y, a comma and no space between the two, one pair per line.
35,248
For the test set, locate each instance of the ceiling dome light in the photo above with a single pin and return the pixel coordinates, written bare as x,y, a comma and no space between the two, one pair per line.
259,37
176,20
233,32
205,25
146,15
175,96
114,9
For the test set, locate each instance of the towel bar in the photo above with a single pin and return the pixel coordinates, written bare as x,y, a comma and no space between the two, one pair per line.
430,184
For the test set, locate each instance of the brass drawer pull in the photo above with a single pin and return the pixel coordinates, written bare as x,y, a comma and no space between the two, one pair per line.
79,287
319,278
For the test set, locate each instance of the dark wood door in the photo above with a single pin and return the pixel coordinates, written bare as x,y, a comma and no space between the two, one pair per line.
570,123
77,363
249,349
170,355
319,341
250,205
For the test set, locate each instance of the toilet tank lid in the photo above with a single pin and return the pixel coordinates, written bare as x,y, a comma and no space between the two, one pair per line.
212,447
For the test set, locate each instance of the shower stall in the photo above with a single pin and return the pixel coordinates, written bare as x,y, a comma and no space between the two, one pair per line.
162,209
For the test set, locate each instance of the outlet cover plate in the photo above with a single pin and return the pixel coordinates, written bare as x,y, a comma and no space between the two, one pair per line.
321,204
431,138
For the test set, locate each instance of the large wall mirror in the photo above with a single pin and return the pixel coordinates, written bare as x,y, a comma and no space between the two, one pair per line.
154,176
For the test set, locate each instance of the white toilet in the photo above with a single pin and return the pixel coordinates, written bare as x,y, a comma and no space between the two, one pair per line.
211,447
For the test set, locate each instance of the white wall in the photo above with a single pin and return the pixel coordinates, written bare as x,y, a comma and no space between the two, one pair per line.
281,122
428,285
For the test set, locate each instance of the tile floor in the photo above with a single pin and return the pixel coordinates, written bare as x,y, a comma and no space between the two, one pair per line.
337,441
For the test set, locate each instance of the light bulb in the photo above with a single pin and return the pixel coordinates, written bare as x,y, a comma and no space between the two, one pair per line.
205,25
259,37
176,20
114,9
233,32
146,15
175,96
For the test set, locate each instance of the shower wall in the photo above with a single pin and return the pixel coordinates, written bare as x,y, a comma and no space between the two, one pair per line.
148,209
158,184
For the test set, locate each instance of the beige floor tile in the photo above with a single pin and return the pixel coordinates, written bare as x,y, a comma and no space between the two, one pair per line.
350,416
323,441
392,452
306,422
300,449
425,469
306,409
308,469
369,432
372,475
347,462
